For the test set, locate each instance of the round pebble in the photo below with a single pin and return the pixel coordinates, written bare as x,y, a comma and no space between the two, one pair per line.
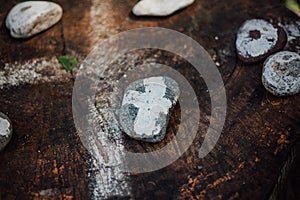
257,39
32,17
5,131
281,73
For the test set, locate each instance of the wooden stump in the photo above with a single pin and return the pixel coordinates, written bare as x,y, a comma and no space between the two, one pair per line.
46,159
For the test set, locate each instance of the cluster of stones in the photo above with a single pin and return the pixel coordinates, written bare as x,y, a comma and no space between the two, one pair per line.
25,20
259,40
32,17
147,104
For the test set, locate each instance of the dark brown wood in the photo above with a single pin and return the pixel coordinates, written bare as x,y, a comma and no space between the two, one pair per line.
46,158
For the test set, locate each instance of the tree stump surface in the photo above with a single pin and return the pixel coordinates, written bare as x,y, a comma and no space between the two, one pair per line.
45,158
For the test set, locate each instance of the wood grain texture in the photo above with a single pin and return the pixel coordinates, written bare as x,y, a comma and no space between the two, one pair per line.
46,160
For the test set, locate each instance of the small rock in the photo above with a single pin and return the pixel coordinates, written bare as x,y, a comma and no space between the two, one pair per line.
5,131
159,7
257,39
146,107
281,73
32,17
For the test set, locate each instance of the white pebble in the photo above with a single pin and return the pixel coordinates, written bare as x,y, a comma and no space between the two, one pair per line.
159,7
31,17
5,131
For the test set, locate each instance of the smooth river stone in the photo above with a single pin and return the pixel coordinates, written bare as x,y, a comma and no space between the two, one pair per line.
146,108
281,73
159,7
31,17
5,131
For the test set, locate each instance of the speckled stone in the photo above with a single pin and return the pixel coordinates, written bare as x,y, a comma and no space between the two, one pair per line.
257,39
159,7
281,73
146,107
5,131
31,17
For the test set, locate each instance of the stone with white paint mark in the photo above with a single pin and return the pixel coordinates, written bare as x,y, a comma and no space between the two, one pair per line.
146,107
5,131
293,30
281,73
257,39
159,7
31,17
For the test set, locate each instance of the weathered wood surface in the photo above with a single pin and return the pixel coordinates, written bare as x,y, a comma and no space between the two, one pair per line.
46,159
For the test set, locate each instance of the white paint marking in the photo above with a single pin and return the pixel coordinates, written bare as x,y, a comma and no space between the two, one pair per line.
110,181
150,104
102,21
32,72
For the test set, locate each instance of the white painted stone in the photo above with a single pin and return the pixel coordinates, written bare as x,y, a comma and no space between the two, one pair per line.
293,30
159,7
4,127
249,47
281,73
5,131
31,17
146,107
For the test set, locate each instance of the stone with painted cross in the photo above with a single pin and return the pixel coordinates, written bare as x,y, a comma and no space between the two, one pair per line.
146,107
